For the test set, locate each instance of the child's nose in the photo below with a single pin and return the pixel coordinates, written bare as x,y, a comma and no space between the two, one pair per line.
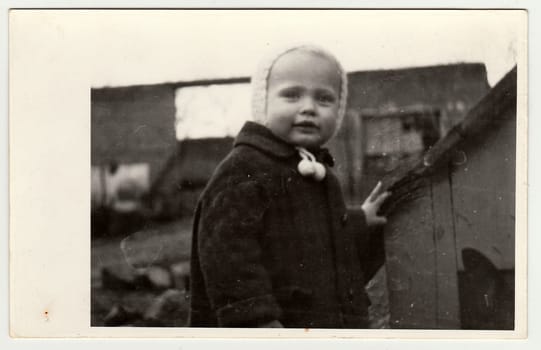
308,106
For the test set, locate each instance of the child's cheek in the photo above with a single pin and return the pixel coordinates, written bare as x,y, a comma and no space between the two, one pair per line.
331,124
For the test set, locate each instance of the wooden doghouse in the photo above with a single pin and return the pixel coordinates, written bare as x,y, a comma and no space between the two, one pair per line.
450,237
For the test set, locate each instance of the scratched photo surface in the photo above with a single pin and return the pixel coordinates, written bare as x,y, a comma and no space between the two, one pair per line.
431,112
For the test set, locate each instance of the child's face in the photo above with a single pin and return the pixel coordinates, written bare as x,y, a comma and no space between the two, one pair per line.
303,98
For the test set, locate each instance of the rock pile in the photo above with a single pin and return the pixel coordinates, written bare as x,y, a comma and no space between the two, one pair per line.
167,286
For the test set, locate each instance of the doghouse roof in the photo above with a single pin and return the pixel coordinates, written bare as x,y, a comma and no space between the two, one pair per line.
479,119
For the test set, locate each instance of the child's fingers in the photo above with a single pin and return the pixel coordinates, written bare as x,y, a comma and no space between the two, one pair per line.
374,192
382,220
381,198
379,220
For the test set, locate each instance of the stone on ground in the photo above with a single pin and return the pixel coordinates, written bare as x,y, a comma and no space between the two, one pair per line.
181,275
168,309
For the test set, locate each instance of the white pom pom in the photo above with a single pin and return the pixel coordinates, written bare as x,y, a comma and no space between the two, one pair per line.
306,168
320,172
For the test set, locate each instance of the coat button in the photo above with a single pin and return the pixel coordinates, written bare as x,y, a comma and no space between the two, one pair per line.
344,218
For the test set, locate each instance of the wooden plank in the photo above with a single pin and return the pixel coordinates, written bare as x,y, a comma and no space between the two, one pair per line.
410,257
484,202
447,305
484,195
421,257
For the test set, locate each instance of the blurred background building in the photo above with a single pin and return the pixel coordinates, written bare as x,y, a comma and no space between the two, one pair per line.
155,146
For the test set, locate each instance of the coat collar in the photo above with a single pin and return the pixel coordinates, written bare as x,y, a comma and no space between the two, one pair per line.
258,136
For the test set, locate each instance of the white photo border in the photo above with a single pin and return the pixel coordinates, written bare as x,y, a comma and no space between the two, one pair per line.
533,167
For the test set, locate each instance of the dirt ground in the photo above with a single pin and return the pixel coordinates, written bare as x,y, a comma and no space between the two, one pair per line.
163,244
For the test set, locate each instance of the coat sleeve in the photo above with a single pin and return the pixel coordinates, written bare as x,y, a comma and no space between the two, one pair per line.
237,283
370,243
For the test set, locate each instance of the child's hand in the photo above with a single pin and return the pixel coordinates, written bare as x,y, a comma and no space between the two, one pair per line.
371,206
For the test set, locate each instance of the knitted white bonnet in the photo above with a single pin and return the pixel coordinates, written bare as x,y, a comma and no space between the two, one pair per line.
260,81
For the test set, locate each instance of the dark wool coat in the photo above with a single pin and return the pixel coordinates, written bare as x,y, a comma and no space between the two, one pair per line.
270,244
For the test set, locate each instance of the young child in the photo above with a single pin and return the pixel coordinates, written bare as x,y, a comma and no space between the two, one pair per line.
273,242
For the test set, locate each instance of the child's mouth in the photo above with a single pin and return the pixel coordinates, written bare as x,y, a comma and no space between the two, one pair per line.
306,125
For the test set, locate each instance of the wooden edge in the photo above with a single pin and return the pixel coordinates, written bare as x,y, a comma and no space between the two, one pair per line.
504,92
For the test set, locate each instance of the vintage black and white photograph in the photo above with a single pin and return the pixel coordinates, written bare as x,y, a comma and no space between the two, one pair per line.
357,177
311,170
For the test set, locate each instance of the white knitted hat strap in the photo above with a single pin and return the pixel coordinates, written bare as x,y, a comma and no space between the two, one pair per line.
305,154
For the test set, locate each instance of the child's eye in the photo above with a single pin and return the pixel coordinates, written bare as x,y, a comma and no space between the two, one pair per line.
291,94
325,98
